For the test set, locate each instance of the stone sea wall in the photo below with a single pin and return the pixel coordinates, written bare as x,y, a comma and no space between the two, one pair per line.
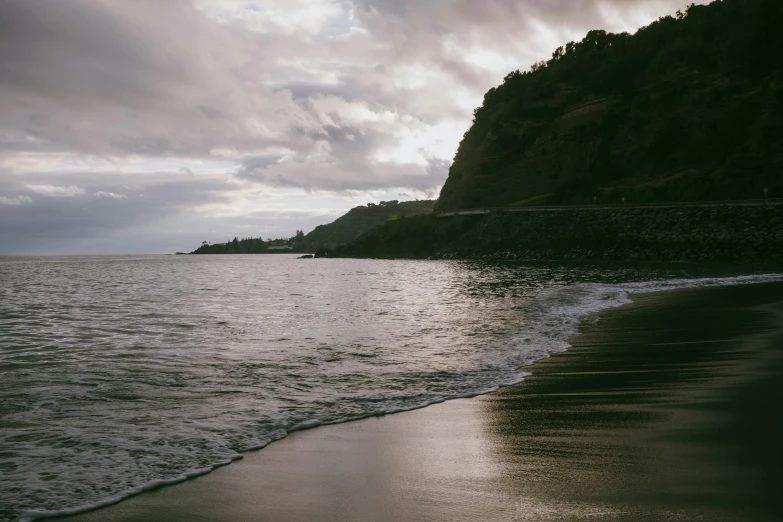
734,234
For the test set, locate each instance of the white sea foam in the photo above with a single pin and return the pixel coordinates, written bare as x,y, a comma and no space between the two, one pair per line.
31,515
109,398
558,311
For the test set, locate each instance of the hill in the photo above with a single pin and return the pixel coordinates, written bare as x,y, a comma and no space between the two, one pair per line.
360,220
689,108
344,229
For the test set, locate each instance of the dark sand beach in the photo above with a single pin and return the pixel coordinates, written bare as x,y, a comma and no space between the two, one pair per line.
665,409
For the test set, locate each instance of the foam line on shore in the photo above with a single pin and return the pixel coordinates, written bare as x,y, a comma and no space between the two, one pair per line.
31,515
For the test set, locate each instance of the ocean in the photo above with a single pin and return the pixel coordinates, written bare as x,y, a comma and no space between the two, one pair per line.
119,374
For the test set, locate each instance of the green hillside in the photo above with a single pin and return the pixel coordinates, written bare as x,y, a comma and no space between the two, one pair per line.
688,108
360,220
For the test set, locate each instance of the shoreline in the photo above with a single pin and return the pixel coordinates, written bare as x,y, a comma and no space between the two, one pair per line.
165,498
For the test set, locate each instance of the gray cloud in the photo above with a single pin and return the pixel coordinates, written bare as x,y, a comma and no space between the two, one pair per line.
54,219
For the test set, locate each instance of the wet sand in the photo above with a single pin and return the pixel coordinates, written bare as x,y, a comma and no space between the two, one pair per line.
666,409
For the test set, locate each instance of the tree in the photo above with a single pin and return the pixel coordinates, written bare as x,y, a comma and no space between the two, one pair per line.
537,66
510,76
596,39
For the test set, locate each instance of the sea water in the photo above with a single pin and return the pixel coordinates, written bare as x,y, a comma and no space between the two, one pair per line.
120,374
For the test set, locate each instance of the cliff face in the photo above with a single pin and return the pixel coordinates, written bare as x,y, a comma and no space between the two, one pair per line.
689,108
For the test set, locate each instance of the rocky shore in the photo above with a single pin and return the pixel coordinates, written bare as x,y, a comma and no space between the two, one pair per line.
719,233
682,234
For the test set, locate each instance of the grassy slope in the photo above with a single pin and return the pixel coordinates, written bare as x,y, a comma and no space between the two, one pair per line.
360,220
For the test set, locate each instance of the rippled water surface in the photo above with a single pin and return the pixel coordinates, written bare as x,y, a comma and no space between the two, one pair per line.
121,373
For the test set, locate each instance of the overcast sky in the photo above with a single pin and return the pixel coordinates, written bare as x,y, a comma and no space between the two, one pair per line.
148,126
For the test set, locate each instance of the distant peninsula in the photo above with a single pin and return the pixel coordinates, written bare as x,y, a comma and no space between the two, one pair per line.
343,230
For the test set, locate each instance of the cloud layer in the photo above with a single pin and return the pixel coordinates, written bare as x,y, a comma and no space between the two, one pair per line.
202,113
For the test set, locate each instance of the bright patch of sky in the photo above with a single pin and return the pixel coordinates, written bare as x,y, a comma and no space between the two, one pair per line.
273,16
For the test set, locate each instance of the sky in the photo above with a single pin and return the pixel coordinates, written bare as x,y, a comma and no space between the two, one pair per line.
149,126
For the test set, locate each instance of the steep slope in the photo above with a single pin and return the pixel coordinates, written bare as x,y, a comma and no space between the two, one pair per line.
689,108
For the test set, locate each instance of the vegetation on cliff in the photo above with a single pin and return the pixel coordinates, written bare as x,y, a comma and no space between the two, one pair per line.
688,108
343,230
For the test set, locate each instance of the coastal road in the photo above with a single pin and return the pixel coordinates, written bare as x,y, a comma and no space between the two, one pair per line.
487,210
